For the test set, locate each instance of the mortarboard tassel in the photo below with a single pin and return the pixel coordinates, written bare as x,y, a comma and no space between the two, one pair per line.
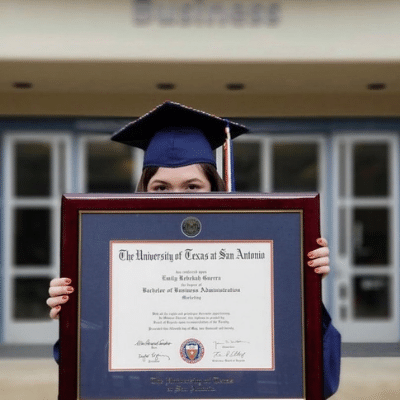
229,176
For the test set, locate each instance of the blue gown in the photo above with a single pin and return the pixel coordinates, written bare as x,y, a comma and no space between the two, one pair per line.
331,354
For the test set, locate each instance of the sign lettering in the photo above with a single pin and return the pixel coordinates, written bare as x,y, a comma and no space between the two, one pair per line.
203,13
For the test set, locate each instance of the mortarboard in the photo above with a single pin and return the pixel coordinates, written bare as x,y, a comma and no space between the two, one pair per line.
173,135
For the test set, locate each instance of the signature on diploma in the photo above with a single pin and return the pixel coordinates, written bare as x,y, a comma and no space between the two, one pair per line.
229,344
153,357
230,354
153,343
230,349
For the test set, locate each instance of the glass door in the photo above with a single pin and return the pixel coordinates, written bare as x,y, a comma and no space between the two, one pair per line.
36,175
283,163
107,167
366,233
280,163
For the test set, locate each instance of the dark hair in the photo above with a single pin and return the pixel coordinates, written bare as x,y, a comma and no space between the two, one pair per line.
217,184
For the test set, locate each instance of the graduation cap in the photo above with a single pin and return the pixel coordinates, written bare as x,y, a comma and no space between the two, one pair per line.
173,135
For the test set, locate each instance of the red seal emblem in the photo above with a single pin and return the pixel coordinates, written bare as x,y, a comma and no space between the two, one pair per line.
192,351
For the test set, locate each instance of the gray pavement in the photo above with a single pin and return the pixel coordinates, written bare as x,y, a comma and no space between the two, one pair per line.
362,378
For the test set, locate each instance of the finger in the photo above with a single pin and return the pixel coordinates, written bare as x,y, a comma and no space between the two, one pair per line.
324,271
320,252
56,301
60,282
322,242
60,290
319,262
54,312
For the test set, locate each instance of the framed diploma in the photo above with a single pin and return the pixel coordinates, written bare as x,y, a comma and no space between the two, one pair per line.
190,297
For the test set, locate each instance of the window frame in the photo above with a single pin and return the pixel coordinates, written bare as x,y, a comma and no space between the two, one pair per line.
32,330
83,141
373,329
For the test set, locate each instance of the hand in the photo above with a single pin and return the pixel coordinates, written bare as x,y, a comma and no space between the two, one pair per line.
319,258
59,290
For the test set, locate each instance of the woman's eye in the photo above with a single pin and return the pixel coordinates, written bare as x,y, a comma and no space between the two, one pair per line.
193,187
160,188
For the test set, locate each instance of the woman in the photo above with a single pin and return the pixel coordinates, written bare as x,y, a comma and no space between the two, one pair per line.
179,143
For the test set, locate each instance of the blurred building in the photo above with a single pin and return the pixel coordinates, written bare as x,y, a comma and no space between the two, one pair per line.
317,82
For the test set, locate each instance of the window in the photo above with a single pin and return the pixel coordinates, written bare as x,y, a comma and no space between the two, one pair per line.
107,167
35,165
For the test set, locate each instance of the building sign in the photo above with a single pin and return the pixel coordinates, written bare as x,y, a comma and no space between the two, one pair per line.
203,13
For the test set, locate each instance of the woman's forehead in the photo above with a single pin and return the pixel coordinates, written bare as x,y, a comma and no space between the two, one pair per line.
193,171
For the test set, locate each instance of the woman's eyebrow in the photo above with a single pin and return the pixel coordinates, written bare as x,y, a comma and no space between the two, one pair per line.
158,181
193,180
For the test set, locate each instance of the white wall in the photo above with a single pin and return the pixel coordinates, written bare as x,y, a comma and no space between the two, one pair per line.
90,57
319,30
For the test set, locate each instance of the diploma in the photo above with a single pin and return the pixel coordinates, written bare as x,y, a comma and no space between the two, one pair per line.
190,297
191,305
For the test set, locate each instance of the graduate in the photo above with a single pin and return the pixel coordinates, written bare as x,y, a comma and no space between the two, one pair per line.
179,142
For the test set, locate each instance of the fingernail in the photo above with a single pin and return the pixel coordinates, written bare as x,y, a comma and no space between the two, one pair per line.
310,254
310,263
319,241
65,297
317,270
58,307
68,281
70,290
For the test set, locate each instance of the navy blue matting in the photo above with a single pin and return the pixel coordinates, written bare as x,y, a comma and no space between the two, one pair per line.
97,230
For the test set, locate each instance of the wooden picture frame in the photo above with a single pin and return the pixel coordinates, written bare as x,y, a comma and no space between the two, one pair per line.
93,224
